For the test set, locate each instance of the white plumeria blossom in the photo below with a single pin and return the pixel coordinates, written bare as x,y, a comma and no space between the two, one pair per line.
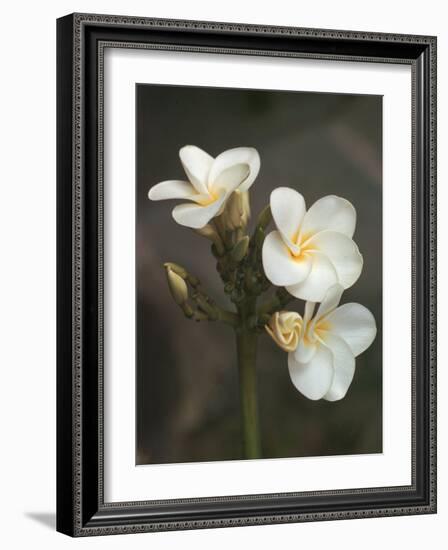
311,250
323,363
210,183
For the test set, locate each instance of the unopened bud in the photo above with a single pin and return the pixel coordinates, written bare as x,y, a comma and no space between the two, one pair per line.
285,328
240,249
177,286
182,272
235,209
245,207
178,269
265,217
209,232
259,236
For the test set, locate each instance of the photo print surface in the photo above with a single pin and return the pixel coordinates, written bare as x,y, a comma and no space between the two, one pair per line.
258,274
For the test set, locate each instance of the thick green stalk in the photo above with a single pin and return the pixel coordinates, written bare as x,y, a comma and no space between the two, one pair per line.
246,340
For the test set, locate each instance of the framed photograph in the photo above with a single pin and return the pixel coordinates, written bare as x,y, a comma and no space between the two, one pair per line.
246,274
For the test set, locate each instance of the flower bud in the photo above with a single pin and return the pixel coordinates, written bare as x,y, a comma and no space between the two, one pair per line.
237,211
178,269
245,207
240,249
265,217
177,286
285,327
209,232
182,272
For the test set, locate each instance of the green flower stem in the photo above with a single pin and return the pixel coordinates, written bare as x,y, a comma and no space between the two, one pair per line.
246,351
246,340
225,316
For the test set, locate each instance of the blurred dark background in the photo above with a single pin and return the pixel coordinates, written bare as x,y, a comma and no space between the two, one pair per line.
187,383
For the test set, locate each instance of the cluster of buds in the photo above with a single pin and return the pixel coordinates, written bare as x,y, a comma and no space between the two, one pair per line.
186,292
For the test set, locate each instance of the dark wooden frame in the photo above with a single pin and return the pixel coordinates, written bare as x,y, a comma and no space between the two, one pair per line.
81,39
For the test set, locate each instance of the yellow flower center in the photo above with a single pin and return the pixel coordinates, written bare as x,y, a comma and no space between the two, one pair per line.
300,242
205,200
322,326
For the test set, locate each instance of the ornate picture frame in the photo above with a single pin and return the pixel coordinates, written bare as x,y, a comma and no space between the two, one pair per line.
81,506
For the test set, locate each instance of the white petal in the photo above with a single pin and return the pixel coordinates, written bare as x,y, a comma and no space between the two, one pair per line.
309,310
197,164
285,327
305,351
289,319
234,168
355,324
330,302
288,208
312,379
321,277
344,367
279,266
330,213
195,215
173,189
343,254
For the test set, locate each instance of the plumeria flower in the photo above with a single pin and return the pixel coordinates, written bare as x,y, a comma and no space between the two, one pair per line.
210,183
322,364
311,250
